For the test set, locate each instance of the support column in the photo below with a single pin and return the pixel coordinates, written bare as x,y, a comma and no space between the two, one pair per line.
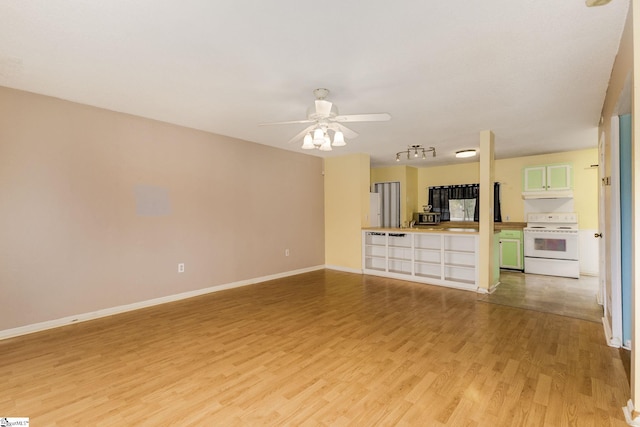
346,207
488,262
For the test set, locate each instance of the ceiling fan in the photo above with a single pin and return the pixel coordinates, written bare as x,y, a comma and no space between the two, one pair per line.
324,118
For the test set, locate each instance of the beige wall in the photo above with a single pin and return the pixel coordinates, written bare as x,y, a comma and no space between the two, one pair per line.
407,177
72,241
509,173
412,193
346,209
464,173
585,182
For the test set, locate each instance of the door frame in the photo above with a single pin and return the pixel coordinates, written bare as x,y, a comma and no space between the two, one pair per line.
609,226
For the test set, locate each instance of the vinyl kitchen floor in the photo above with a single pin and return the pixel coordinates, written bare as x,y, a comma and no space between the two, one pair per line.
575,298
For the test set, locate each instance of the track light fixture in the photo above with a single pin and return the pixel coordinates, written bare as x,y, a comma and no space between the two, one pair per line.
416,150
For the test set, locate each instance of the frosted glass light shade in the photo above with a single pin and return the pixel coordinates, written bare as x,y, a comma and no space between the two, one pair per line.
318,136
326,145
338,139
307,144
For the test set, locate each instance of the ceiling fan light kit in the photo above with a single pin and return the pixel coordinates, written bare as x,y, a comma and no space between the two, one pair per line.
325,119
416,150
322,140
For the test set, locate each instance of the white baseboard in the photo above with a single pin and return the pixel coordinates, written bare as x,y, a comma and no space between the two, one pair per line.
628,414
611,341
487,291
589,273
345,269
83,317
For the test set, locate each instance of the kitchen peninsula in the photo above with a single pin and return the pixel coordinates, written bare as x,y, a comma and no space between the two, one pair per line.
438,255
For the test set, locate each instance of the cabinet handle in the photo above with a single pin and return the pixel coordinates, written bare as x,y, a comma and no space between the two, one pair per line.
597,235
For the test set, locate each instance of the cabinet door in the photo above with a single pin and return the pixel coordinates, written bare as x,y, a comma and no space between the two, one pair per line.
510,256
559,177
535,178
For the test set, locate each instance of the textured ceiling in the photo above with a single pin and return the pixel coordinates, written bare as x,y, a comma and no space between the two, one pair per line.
534,72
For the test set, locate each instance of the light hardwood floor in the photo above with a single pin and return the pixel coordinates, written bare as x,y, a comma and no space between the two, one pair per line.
322,348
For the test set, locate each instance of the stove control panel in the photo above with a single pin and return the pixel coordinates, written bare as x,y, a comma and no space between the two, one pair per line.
557,218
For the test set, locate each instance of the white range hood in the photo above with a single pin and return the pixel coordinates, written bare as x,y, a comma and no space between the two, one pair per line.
550,194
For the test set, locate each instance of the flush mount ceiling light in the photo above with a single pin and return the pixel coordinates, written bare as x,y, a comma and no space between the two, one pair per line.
415,151
591,3
465,153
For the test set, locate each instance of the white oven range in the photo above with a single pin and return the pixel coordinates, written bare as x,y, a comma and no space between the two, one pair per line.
551,244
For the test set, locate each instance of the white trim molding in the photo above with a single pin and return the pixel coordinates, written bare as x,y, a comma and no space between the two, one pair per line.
83,317
489,291
589,256
344,269
628,414
611,340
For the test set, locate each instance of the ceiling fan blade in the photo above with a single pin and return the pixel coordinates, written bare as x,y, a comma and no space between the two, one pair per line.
301,134
348,133
323,107
373,117
286,123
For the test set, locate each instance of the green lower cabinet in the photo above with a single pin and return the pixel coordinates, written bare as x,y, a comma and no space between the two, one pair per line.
511,250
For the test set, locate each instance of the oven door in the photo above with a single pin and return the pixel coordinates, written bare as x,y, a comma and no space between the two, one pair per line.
551,244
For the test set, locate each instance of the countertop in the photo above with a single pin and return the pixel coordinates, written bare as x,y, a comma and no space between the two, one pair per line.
466,224
451,227
425,229
509,225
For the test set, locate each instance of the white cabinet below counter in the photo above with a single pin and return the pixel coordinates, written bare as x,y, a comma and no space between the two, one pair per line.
447,259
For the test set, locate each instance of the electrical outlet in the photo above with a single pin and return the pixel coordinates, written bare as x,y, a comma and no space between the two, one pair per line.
181,267
286,252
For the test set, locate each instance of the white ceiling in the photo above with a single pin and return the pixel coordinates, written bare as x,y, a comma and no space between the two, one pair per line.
534,72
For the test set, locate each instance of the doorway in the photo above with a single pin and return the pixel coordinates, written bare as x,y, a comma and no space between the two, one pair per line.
390,202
